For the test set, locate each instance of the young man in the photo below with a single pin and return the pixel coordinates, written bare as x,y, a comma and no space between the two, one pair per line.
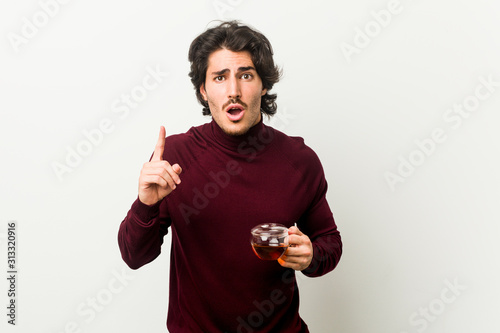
213,184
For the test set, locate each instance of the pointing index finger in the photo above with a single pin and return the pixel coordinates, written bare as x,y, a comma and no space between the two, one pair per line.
160,146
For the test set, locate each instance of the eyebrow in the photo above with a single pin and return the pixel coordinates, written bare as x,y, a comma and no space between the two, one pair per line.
240,69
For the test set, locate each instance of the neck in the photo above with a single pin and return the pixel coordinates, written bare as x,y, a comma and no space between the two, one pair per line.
234,142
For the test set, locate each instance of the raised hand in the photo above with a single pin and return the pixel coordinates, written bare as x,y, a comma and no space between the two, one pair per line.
158,178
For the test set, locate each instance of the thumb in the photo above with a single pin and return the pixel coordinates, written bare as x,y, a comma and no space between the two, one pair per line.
293,230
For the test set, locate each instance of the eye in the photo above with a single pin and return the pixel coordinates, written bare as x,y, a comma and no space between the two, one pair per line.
219,78
246,76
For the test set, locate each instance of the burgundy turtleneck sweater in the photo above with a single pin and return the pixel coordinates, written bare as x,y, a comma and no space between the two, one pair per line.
229,185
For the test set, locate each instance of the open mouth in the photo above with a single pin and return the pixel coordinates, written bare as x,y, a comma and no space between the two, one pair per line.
235,112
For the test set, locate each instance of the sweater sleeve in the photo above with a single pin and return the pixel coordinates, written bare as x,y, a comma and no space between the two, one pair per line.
141,233
319,225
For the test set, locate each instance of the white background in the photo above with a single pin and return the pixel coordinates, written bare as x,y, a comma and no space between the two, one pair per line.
362,113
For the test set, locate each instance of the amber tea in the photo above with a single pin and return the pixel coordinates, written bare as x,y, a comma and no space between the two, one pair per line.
269,252
269,241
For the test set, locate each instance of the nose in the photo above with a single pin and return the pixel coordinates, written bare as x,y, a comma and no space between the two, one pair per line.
234,90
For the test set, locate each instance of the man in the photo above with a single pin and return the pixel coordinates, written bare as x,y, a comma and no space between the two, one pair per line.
213,184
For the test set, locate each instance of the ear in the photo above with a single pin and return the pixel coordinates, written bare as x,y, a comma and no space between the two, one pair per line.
203,92
264,91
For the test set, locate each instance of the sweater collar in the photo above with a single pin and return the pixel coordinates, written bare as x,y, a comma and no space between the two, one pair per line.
232,142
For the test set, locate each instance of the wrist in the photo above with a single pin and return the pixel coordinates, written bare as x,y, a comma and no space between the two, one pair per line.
144,212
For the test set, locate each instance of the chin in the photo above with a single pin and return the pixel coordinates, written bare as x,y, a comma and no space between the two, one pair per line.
235,129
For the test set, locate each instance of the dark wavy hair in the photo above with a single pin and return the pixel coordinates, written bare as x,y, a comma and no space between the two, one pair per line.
235,37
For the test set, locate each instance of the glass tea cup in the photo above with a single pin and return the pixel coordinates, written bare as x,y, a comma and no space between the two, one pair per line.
269,240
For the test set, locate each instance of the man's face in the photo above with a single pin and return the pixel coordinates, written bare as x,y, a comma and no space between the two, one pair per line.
233,90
